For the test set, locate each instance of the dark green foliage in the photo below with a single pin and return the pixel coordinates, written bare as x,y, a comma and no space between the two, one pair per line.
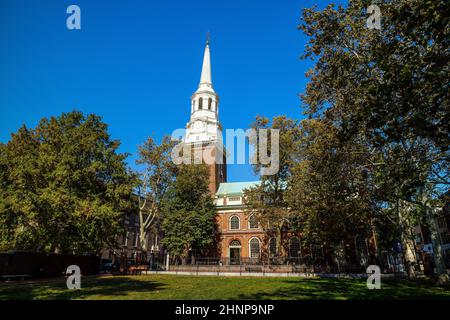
392,82
268,200
158,174
330,189
388,89
189,212
64,186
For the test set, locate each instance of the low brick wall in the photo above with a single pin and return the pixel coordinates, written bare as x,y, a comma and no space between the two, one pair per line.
238,268
41,265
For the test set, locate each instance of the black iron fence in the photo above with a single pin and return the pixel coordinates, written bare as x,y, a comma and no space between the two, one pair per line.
305,264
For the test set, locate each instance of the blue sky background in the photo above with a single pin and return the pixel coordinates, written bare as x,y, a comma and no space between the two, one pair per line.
136,63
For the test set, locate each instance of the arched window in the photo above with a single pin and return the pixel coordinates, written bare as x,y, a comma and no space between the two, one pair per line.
209,103
200,103
294,247
252,222
235,243
234,223
272,247
254,248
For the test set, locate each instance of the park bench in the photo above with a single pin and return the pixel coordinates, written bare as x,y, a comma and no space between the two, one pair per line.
253,269
300,268
137,269
9,277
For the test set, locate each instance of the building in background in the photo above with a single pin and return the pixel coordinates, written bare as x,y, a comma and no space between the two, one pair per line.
240,237
424,245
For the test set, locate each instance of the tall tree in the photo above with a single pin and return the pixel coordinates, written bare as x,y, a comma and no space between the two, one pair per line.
267,201
330,188
158,174
189,213
64,187
391,86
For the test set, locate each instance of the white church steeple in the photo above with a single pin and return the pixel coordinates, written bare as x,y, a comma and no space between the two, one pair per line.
204,125
205,77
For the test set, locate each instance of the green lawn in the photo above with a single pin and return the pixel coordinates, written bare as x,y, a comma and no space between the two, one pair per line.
212,287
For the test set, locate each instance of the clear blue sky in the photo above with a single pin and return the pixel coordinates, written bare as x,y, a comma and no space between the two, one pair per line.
136,63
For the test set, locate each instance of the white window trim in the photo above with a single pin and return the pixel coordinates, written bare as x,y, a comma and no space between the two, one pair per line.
250,247
248,222
229,222
233,246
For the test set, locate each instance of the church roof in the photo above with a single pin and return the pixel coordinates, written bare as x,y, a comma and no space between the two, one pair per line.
235,188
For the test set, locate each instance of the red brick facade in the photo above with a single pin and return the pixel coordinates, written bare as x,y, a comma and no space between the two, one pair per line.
244,234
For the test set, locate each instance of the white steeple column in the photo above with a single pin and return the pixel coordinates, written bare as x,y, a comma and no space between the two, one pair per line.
204,125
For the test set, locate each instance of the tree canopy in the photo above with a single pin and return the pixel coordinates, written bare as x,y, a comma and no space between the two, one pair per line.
189,212
63,186
388,89
158,175
267,201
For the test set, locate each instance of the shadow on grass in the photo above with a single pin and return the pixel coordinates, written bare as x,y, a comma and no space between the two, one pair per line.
351,289
183,287
110,288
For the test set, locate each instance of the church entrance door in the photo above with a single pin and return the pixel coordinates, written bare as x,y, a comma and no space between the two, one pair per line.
235,255
235,252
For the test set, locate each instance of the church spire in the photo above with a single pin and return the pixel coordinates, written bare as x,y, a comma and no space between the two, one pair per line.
204,125
205,78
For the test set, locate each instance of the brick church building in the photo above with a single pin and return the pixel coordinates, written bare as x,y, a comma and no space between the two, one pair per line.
240,236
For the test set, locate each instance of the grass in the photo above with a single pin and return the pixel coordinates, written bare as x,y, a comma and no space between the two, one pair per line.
152,287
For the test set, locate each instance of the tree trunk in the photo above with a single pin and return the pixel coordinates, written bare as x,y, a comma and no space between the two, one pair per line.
185,255
408,251
374,241
143,237
409,254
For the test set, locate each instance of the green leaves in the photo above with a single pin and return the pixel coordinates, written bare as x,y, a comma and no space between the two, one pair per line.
189,212
63,186
393,82
330,190
384,92
268,200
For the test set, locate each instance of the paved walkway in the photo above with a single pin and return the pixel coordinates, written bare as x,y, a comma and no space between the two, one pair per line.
268,274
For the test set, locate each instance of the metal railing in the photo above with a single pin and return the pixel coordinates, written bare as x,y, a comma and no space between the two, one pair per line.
280,264
304,264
